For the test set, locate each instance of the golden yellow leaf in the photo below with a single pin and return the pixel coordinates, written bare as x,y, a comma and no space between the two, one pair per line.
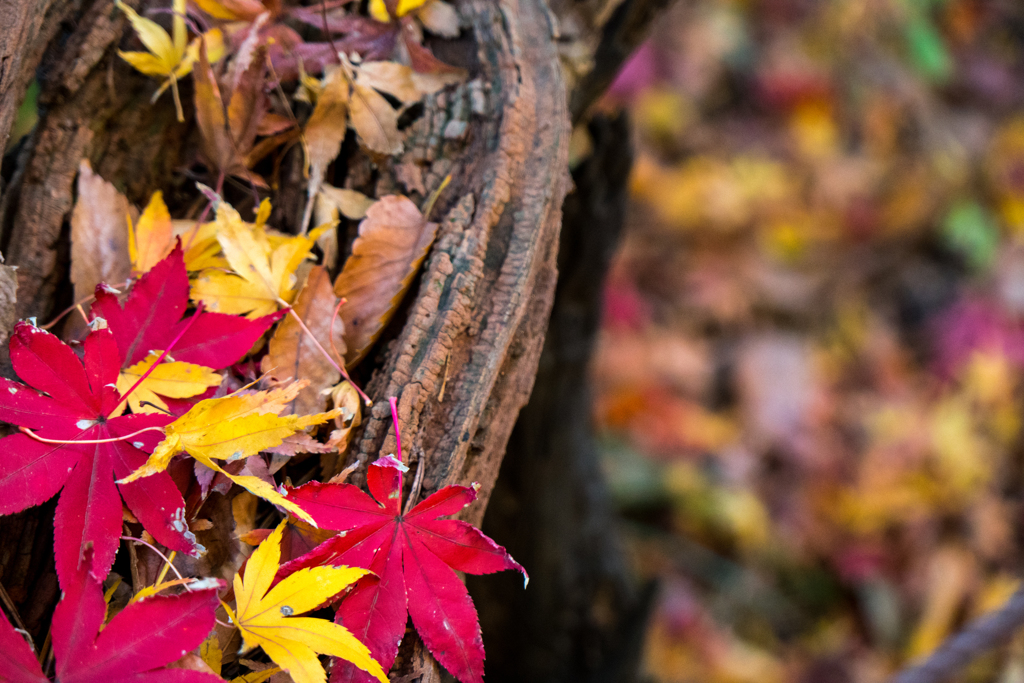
263,277
232,10
267,617
156,588
232,428
257,676
202,250
212,653
152,237
951,573
379,11
393,241
169,55
172,379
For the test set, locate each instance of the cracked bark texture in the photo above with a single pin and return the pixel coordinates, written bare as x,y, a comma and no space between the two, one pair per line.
462,355
582,619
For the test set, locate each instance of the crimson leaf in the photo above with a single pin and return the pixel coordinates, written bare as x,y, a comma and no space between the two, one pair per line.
152,317
135,646
414,557
69,402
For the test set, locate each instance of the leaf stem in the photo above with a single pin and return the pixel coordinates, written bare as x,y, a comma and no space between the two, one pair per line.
177,98
394,419
340,368
77,304
434,196
124,397
327,31
154,549
28,432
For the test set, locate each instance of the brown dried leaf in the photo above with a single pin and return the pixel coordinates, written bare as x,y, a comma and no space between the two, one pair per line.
99,234
375,120
190,661
439,18
349,203
326,127
293,355
393,241
390,77
217,146
345,396
248,105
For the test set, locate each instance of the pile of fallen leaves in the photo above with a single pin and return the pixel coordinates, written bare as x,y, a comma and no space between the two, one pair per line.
811,376
205,354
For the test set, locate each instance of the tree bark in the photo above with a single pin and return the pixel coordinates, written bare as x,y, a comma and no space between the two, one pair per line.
583,617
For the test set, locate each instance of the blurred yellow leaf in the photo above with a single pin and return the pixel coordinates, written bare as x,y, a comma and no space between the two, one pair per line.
169,55
951,571
152,237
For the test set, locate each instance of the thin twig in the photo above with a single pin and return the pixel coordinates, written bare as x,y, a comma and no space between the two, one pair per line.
417,483
78,305
327,31
46,652
15,616
977,638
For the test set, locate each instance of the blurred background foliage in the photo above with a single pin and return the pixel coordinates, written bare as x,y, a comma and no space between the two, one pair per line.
809,380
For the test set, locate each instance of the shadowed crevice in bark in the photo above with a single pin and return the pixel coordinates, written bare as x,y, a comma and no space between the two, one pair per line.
582,617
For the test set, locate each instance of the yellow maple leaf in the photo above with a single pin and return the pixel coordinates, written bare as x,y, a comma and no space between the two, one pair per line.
263,277
437,16
200,245
267,617
152,237
232,428
171,56
173,379
233,10
379,10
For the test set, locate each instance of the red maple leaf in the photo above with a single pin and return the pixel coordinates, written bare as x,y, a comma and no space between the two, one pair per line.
152,317
414,556
134,646
68,402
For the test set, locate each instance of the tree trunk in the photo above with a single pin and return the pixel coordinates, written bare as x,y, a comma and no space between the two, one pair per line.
463,357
